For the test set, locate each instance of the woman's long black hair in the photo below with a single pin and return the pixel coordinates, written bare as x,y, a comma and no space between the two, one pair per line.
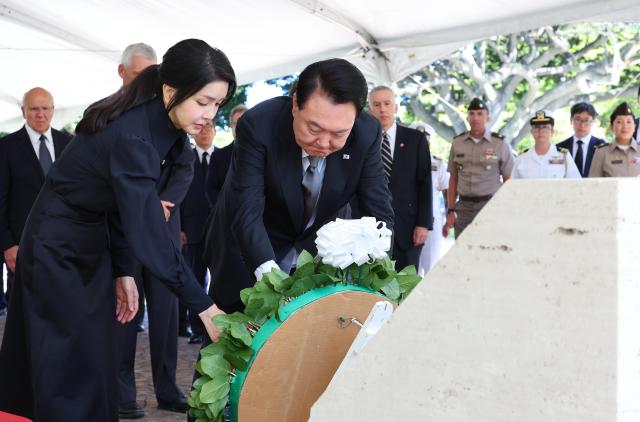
187,67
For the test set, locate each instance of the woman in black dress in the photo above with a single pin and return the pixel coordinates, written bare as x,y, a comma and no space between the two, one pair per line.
97,210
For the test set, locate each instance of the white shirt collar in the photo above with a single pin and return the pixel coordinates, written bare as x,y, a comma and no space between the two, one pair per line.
35,136
585,140
201,151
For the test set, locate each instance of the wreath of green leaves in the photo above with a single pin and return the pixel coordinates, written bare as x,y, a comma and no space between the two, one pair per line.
219,361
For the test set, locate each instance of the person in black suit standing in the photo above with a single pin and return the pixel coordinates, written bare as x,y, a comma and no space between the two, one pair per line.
98,209
296,162
25,159
176,173
407,165
582,144
222,156
194,212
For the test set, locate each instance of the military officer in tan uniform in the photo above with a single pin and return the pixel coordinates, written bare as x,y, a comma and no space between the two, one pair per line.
477,160
544,160
621,158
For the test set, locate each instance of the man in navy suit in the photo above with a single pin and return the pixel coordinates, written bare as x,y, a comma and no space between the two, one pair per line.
194,212
25,158
222,156
582,144
407,162
296,162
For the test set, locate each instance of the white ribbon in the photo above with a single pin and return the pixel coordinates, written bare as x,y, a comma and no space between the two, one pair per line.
344,242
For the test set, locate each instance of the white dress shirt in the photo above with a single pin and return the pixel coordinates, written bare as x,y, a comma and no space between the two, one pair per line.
552,165
34,137
585,147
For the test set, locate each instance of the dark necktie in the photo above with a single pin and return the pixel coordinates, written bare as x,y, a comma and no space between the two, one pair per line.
204,166
311,184
578,158
44,155
387,159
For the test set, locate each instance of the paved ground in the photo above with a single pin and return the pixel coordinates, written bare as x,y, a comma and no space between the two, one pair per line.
187,354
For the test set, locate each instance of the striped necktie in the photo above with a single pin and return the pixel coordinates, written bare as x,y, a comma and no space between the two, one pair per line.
387,159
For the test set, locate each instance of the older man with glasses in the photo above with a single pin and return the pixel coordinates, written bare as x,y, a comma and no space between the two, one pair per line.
582,144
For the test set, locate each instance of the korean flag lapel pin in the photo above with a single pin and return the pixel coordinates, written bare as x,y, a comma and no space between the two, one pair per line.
345,156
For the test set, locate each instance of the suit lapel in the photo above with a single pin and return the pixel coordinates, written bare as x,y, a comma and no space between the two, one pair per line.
32,158
57,144
590,151
289,162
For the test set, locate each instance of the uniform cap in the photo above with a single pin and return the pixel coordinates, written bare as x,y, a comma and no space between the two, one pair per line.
477,104
622,110
541,117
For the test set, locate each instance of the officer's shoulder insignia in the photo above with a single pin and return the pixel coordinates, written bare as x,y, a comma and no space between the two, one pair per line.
433,157
602,145
497,135
563,150
524,152
461,135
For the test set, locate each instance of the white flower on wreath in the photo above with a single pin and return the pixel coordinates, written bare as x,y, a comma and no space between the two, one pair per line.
344,242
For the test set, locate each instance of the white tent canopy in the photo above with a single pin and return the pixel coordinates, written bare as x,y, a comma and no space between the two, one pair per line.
72,47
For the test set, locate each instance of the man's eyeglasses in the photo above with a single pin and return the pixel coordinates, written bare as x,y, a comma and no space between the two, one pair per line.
583,121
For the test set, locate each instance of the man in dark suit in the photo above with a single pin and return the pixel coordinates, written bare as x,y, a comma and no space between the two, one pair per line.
194,212
296,162
222,156
25,159
582,144
407,162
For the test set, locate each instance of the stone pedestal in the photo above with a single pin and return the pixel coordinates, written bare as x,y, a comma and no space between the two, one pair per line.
534,315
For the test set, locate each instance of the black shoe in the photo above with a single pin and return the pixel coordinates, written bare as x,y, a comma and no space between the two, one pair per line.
185,331
179,406
195,339
130,410
140,328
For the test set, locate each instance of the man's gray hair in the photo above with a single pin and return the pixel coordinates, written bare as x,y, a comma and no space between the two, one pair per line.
240,108
380,88
138,49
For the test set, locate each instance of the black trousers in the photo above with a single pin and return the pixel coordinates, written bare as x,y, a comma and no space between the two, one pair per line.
162,309
193,256
404,257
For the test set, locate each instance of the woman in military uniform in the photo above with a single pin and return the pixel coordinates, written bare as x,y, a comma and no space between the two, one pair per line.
97,210
544,160
620,158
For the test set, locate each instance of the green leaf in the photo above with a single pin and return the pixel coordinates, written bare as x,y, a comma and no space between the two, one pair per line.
215,389
255,306
409,270
300,286
392,290
240,332
380,283
239,358
218,406
327,269
212,349
197,384
304,258
215,366
226,320
304,270
407,282
277,278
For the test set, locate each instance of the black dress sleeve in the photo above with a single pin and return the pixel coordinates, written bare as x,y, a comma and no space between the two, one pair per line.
135,168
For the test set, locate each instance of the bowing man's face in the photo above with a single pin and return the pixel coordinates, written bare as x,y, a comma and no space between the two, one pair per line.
320,126
194,113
